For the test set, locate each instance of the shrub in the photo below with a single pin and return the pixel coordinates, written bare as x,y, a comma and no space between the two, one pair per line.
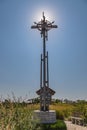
66,113
59,115
59,125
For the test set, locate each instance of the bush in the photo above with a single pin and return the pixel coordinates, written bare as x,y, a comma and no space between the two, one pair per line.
59,125
59,115
66,113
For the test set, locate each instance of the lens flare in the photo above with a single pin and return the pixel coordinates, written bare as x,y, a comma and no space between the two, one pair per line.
48,14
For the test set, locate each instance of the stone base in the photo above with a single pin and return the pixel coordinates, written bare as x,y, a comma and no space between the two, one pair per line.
45,116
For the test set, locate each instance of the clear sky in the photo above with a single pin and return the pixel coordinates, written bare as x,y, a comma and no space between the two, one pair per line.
20,47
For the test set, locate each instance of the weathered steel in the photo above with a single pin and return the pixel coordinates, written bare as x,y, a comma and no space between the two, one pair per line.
41,72
45,92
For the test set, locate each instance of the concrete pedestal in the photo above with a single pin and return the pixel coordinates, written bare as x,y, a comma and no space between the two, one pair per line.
45,116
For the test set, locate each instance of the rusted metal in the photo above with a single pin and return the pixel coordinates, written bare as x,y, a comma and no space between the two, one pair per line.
45,92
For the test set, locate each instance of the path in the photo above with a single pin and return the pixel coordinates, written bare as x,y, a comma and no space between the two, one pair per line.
71,126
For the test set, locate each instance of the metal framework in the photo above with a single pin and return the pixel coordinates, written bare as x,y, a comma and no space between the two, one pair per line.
44,26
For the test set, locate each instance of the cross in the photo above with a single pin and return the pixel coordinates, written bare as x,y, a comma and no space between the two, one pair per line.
45,92
44,26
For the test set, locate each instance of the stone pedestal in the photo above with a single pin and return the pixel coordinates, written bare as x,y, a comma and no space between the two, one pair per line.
45,116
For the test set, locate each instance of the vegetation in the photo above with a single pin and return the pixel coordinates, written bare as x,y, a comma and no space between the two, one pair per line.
65,109
17,115
62,110
80,110
59,125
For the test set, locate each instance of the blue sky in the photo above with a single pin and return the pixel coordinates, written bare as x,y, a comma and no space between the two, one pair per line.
20,47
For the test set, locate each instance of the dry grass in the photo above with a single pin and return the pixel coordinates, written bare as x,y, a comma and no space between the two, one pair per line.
61,107
17,116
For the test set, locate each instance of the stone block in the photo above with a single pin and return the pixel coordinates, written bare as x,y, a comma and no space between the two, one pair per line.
45,117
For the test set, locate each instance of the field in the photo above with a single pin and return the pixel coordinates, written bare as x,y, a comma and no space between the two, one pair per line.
62,110
18,116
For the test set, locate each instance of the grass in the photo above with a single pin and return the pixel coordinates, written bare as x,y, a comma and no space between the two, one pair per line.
59,125
61,107
18,116
62,110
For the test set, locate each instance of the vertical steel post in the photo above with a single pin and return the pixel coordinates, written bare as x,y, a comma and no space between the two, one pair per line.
44,66
41,72
47,71
44,60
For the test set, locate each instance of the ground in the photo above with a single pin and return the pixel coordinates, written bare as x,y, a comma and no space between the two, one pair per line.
71,126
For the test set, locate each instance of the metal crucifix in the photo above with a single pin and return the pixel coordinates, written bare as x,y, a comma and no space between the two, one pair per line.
45,92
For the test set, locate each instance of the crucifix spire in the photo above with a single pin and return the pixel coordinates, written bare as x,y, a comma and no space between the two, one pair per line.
45,92
44,26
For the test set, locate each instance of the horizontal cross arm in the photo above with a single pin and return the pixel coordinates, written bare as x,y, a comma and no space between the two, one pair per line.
48,26
54,26
34,27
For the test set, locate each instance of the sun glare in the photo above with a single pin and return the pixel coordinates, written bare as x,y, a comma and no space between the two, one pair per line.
48,14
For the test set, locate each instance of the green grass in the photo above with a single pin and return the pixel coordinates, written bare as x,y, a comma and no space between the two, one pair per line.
59,125
16,116
19,116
